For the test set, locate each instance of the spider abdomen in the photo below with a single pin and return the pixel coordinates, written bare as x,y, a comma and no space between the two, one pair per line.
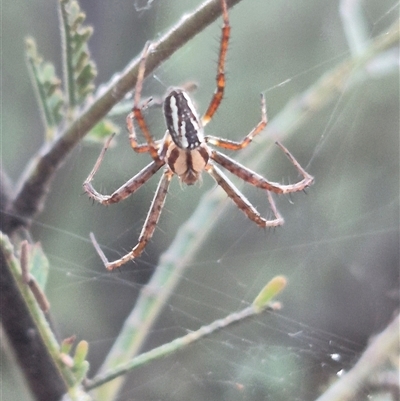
182,120
188,164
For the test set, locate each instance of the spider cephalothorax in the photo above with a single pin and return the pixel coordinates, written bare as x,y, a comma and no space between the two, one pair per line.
184,151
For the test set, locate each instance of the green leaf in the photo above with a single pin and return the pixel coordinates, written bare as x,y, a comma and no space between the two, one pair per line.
81,365
47,87
270,291
38,265
81,352
101,131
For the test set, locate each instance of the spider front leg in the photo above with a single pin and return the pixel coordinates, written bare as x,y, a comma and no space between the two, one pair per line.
219,92
150,146
148,228
138,147
233,145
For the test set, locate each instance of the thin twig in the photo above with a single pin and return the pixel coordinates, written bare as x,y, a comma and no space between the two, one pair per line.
175,345
171,347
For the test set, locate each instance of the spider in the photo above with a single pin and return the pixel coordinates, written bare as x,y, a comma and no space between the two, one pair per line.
184,151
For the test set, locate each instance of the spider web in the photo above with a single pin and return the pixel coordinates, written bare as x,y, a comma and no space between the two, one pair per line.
338,247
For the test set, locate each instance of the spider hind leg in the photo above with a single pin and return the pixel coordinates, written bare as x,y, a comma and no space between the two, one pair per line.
242,202
148,229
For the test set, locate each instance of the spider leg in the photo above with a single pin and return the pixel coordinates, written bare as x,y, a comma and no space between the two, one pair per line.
136,113
125,190
137,147
245,173
259,181
219,92
307,178
233,145
99,160
242,202
148,228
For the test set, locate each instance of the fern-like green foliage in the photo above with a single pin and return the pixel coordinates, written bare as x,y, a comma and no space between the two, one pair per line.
47,87
79,69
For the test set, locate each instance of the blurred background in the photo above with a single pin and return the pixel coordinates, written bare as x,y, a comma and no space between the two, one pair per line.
339,247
